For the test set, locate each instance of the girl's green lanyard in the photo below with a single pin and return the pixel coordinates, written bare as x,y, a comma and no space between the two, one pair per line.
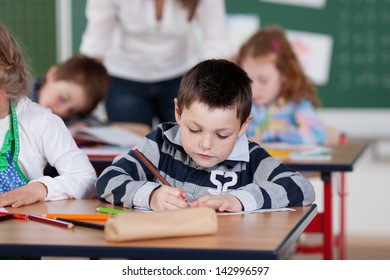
11,176
264,125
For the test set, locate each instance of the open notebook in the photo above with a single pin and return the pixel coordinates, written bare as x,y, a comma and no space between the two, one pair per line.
106,135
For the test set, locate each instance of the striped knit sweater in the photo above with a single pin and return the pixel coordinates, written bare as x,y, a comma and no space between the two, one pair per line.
249,173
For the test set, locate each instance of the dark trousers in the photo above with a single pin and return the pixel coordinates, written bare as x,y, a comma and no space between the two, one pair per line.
130,101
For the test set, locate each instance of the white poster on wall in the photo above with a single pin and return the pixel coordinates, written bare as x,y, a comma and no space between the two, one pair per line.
240,27
318,4
314,51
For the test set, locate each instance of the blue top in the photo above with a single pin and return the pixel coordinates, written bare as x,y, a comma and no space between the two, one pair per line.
288,122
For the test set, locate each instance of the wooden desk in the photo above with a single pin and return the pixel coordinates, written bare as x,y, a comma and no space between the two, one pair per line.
343,159
252,236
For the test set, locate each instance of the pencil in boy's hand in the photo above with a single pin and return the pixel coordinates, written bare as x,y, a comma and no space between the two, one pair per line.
151,167
154,170
50,221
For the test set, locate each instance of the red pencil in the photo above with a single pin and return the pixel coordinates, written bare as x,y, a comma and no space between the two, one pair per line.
50,221
20,216
15,215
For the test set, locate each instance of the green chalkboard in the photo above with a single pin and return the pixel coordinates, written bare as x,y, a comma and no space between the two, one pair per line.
33,24
360,62
359,70
78,22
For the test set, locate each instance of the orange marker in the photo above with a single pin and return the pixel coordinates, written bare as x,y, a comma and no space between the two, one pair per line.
96,217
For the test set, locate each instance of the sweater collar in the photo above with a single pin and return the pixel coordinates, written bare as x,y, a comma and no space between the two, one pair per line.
240,150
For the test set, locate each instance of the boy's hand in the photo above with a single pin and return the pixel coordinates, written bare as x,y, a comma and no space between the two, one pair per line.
24,195
167,198
220,203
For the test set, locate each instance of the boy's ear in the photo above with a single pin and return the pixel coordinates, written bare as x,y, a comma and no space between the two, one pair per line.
177,111
52,73
245,125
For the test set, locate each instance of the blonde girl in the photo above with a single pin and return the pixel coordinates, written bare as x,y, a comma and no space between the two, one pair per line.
31,137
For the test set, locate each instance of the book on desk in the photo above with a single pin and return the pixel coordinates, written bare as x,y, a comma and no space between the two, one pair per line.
105,140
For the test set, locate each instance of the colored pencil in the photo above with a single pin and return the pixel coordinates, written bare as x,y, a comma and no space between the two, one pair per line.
82,224
151,167
15,215
5,217
96,217
50,221
109,210
20,216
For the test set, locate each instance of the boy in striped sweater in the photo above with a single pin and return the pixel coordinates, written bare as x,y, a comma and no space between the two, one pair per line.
205,156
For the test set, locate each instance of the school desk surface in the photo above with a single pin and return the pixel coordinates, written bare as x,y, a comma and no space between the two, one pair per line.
267,235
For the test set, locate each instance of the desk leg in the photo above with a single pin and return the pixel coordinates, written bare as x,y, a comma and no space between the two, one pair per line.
342,239
328,231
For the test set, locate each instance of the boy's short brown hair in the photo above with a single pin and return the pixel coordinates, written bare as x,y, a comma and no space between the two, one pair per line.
90,74
217,83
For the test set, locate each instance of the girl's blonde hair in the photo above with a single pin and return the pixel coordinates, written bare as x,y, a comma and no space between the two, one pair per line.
272,40
15,77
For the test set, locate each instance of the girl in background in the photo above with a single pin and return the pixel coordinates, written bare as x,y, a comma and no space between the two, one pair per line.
283,97
31,137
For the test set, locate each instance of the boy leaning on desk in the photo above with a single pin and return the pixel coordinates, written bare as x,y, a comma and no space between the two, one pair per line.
205,156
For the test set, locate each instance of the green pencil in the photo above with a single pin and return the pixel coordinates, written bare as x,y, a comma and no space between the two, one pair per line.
109,210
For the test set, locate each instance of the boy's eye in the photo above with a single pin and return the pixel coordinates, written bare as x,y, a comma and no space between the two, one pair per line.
63,99
193,130
222,136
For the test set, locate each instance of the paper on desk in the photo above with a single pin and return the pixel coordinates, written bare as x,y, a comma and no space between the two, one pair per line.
105,150
317,153
108,135
282,150
255,211
233,213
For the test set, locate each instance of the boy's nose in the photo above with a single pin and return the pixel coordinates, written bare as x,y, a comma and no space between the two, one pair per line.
206,142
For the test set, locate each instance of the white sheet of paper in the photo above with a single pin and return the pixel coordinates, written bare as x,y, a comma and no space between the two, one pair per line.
255,211
112,135
3,209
